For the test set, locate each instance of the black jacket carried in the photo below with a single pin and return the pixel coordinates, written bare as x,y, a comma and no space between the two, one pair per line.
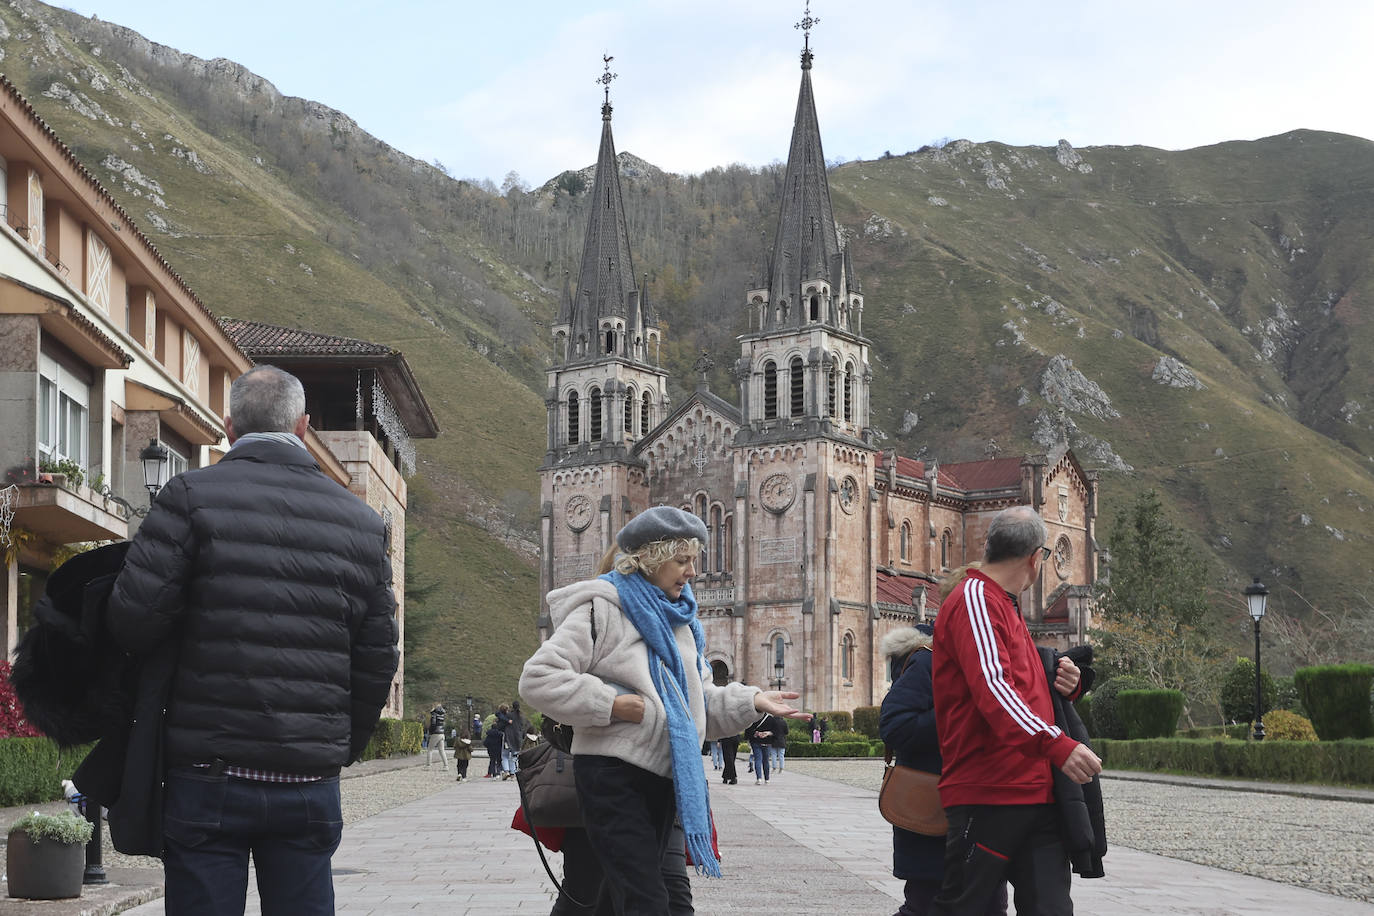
274,583
1081,817
907,725
776,725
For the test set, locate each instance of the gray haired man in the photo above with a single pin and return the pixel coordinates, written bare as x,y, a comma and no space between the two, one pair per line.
273,583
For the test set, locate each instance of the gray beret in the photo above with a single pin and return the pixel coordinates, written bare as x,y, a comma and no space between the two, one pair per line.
661,523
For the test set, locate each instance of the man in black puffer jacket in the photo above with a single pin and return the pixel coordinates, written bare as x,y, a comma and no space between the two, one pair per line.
274,585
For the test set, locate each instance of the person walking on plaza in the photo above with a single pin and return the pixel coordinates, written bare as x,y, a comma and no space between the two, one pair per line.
998,741
760,735
777,747
493,742
513,735
907,726
717,758
462,752
625,666
729,750
437,738
274,584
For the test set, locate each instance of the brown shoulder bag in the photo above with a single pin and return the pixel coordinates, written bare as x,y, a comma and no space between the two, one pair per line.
910,798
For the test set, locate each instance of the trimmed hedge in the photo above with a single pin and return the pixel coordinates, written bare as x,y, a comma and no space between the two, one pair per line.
837,721
866,721
832,749
392,737
1150,713
1238,732
1106,721
1344,762
1336,698
32,769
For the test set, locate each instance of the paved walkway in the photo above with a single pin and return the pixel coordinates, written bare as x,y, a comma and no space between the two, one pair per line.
801,845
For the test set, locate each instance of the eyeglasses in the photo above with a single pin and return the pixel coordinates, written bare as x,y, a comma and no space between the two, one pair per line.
1045,553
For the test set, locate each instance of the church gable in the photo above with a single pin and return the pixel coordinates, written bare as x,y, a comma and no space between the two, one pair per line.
695,436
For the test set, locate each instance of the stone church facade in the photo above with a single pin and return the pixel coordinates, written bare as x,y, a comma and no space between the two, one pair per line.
819,542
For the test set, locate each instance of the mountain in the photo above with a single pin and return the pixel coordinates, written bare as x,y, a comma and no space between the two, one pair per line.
1196,321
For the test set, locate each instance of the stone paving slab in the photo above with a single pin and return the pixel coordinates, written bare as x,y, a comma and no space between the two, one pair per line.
800,845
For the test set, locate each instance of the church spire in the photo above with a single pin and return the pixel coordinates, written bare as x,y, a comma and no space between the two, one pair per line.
806,246
605,282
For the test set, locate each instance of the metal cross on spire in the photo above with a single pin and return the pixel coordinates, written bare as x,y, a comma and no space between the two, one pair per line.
605,78
806,25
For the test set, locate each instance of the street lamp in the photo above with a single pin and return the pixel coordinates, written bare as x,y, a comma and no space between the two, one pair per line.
777,675
1256,596
469,699
154,458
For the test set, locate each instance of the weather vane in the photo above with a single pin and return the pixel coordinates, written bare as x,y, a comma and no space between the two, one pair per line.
605,78
807,24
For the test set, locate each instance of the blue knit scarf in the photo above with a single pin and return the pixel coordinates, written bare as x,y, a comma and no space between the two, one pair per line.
655,617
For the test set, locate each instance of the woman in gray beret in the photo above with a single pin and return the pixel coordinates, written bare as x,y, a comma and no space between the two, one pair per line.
626,668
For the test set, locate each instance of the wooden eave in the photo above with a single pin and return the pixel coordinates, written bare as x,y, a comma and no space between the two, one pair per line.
65,322
174,411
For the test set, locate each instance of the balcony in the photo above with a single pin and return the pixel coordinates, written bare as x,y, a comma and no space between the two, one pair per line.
62,514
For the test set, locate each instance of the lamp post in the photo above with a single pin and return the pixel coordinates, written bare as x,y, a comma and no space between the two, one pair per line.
1257,596
154,457
469,699
778,675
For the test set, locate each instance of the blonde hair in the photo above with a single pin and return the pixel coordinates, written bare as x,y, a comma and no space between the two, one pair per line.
649,557
948,583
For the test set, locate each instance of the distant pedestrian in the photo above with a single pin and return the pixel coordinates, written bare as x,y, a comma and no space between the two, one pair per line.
729,751
717,758
760,735
462,752
476,727
437,717
493,743
777,748
514,735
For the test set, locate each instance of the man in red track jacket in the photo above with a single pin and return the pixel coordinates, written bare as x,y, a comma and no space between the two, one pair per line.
997,734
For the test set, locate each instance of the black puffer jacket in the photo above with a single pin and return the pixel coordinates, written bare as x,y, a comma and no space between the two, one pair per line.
275,582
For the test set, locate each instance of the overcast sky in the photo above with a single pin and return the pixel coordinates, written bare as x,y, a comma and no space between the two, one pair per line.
487,88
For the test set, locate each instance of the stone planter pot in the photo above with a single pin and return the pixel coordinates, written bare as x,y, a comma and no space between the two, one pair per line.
46,870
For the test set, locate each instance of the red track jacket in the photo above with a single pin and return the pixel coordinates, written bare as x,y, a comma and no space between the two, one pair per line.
992,702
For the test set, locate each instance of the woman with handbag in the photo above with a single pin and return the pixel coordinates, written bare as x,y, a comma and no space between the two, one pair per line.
640,698
907,726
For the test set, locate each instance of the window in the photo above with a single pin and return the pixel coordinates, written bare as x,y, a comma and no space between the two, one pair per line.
644,414
779,648
906,542
847,658
176,462
944,549
629,413
798,386
595,410
610,342
574,433
717,542
728,541
63,409
815,308
849,393
830,391
770,391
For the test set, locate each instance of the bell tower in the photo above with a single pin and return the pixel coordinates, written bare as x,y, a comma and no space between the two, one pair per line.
606,390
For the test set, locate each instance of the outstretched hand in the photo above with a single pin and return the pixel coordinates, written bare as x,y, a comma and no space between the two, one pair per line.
773,701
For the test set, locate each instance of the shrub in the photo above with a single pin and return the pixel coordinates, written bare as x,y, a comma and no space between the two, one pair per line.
866,720
411,735
1286,696
1337,699
1106,722
1342,762
12,721
32,769
1283,725
66,828
1084,705
1149,713
1238,692
798,730
393,736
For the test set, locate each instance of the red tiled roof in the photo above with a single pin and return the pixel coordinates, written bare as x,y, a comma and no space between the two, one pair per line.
907,467
896,589
258,339
992,474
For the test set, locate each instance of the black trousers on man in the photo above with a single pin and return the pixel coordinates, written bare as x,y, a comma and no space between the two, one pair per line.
989,844
729,748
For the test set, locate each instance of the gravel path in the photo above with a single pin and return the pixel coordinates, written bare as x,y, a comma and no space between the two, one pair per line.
1317,844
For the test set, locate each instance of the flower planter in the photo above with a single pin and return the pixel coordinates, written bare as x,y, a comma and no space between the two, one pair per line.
43,870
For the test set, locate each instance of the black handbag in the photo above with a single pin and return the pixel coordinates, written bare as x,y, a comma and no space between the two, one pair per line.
547,791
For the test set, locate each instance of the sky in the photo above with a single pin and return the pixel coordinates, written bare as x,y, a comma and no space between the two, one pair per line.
491,88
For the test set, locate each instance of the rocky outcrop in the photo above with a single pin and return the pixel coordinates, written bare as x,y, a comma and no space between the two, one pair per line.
1174,374
1069,158
1064,386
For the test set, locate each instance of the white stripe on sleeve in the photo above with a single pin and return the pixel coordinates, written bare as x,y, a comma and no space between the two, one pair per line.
981,626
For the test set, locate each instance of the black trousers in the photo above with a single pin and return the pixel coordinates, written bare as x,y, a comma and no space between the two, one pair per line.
583,880
628,815
729,747
989,844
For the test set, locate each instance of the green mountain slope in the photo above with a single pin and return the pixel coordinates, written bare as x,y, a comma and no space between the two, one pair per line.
1189,321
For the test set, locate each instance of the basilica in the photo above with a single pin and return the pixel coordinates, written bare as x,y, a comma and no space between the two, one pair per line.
820,542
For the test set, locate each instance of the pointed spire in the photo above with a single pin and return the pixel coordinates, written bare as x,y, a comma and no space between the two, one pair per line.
565,301
806,243
606,278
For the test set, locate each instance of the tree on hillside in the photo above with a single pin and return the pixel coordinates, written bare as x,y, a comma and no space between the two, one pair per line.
1153,608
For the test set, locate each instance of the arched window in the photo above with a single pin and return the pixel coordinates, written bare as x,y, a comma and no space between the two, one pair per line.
906,542
644,414
629,413
720,674
595,420
574,430
815,308
703,513
610,342
849,393
847,657
717,542
779,650
728,544
770,391
798,386
944,549
830,391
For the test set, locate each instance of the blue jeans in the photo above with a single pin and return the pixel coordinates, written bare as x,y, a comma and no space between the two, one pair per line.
775,756
759,754
717,758
212,824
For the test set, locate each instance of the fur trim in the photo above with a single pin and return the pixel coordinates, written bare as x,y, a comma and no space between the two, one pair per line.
902,641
